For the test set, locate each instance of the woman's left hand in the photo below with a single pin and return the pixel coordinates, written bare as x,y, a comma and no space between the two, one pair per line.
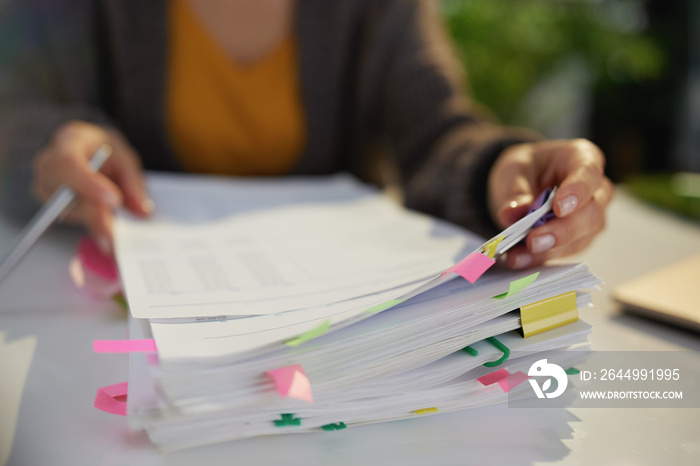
524,170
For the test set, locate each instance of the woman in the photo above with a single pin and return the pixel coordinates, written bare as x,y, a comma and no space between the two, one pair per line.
277,87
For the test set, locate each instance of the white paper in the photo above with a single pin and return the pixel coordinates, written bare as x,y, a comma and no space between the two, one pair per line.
278,259
15,359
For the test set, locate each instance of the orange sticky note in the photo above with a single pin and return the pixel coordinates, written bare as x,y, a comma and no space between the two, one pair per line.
292,382
472,267
112,398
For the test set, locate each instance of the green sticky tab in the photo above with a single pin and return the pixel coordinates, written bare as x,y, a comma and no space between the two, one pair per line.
310,335
288,420
383,307
518,285
119,299
338,426
572,371
470,350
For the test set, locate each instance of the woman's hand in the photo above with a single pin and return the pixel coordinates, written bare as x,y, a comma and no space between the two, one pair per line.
120,181
523,171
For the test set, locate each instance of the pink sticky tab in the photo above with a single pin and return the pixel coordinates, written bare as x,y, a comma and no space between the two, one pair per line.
95,260
494,377
112,398
90,282
283,377
124,346
291,381
152,359
512,381
301,388
473,266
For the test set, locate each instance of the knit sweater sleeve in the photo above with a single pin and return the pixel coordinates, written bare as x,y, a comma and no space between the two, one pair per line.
47,77
444,146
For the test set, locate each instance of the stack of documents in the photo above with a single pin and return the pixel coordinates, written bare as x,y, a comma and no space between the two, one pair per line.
309,304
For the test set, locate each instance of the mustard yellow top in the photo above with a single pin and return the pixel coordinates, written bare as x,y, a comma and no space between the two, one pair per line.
227,118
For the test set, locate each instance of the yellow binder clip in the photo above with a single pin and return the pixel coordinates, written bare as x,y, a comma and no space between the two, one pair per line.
548,314
490,249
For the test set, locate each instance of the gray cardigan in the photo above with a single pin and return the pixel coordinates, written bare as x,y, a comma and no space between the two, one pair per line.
373,73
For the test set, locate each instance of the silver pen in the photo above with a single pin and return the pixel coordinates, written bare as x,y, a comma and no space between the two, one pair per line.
44,218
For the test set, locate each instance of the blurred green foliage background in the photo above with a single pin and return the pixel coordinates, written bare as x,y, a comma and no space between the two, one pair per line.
508,46
602,69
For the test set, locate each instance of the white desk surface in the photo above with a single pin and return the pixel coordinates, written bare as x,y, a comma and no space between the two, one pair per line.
57,424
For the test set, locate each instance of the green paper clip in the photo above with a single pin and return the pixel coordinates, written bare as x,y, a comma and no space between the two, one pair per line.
470,350
572,371
500,346
337,426
288,420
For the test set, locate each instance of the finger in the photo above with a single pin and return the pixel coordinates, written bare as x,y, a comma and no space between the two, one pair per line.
128,175
520,258
68,164
75,172
582,173
44,183
557,232
73,215
513,194
516,206
98,218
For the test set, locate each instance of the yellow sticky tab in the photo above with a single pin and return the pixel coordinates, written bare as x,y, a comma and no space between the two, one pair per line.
548,314
490,249
426,410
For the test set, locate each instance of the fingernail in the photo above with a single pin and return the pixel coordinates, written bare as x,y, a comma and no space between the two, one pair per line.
542,243
522,261
148,206
567,205
104,244
111,198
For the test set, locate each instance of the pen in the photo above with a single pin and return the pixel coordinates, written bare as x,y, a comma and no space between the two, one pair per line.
49,212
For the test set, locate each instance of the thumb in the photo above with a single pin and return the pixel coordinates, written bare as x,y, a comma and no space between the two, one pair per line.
129,176
514,208
515,199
